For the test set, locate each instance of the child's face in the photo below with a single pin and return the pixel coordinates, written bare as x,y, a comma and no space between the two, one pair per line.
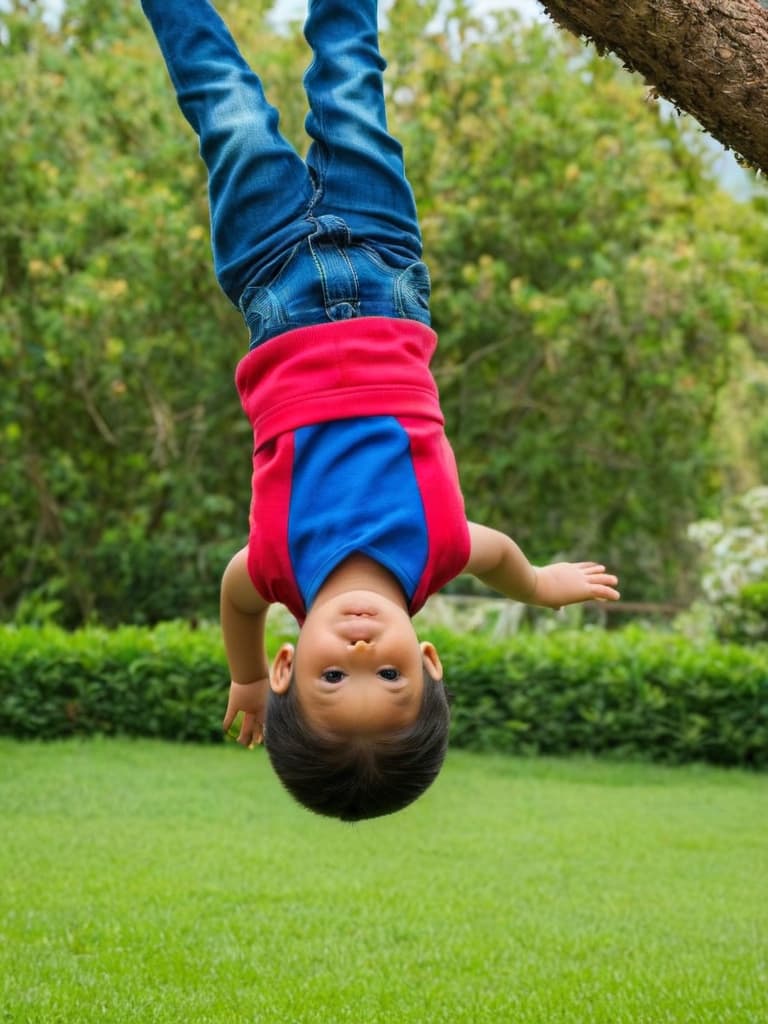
359,667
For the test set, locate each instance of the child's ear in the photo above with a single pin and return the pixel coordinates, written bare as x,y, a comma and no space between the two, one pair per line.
282,669
432,661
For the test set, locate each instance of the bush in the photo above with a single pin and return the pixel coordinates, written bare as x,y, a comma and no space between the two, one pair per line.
734,564
127,578
169,682
746,621
634,693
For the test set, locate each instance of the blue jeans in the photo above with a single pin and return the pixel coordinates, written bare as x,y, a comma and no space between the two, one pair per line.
295,242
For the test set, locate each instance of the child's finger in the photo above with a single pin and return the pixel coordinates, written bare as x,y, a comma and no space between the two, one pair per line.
250,732
604,579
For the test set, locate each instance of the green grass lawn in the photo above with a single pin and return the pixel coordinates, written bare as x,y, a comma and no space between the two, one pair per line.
144,881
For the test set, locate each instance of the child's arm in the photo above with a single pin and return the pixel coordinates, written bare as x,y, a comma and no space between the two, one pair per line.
243,624
499,563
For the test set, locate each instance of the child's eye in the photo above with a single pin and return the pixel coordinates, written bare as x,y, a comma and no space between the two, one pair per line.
332,675
390,674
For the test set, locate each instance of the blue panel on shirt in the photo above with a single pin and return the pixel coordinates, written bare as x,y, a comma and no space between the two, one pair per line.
354,489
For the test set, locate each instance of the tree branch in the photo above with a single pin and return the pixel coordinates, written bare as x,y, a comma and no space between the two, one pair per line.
708,57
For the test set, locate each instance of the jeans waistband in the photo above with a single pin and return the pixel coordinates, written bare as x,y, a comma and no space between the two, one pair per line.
327,278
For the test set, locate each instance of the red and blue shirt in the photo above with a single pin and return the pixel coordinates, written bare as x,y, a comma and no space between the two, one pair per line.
350,456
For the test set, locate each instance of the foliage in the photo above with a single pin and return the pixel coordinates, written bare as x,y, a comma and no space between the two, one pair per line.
734,564
634,693
167,682
109,323
596,297
753,599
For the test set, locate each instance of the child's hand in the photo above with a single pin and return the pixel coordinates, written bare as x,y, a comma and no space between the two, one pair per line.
252,699
570,582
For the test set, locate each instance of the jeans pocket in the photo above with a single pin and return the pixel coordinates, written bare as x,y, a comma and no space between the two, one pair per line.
412,291
263,313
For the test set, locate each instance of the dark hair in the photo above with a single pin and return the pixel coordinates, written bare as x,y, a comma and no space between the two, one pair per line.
352,778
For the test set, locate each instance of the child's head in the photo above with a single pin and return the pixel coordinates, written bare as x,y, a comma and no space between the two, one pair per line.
357,722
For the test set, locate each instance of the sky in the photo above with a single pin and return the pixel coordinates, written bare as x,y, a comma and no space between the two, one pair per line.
293,8
528,8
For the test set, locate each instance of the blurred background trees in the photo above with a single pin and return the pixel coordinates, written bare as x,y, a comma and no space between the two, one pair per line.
600,301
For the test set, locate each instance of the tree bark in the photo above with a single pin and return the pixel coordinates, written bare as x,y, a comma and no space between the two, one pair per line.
709,57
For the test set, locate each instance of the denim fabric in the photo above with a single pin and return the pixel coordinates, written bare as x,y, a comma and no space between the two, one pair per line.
295,242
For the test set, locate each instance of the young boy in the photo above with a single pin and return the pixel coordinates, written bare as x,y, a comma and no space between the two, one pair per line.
356,513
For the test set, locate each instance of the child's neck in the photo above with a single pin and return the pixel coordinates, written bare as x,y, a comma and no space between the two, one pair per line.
358,572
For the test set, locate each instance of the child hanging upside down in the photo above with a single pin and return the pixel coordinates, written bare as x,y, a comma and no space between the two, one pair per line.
356,512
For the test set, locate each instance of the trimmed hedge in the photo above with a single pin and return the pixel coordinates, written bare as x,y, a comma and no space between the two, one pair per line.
169,682
634,693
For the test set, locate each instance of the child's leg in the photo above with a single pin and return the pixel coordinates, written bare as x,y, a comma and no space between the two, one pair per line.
259,187
357,164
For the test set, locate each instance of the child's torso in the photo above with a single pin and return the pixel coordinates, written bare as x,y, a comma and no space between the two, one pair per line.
350,456
381,486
